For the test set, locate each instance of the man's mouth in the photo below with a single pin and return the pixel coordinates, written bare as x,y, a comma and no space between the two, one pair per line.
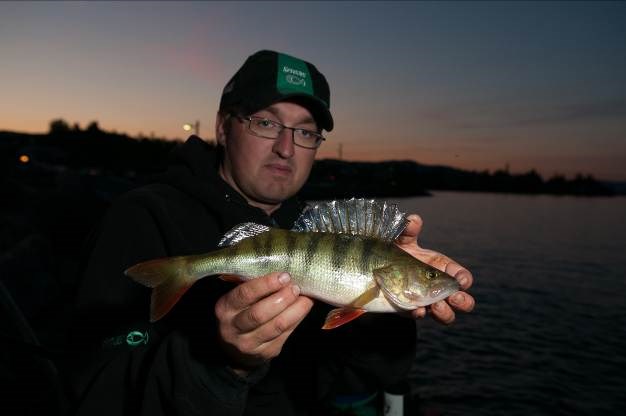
279,169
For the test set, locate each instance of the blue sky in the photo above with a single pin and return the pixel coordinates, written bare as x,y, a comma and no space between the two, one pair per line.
477,85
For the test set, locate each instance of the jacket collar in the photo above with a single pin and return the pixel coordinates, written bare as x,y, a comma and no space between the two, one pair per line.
193,170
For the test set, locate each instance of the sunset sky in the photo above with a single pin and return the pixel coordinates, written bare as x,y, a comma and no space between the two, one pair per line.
475,85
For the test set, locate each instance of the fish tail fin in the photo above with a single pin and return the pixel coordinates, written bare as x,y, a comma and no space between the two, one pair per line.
169,279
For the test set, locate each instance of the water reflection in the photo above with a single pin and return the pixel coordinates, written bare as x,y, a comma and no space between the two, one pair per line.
547,334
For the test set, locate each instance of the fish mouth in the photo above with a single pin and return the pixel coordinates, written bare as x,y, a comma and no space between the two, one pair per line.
440,293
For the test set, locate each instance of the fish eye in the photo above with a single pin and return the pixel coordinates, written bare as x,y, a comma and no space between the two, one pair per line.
431,274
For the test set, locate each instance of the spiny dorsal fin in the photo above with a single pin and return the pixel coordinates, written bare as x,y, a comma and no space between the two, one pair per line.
241,232
365,217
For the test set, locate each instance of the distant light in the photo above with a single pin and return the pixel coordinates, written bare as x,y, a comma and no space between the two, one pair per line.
187,127
24,158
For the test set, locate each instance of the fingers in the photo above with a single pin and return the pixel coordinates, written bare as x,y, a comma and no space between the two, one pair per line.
419,312
462,301
437,260
249,349
257,317
412,230
442,312
266,309
246,294
444,263
284,323
461,274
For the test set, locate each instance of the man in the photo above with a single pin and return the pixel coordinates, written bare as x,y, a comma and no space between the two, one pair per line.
255,348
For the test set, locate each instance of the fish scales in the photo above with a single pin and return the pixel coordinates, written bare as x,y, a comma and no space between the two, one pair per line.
337,267
330,273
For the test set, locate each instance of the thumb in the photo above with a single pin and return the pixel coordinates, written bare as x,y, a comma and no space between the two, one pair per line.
412,230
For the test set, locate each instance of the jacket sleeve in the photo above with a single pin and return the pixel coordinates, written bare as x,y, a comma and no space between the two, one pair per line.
173,370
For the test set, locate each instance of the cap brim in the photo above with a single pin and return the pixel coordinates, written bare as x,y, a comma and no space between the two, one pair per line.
316,107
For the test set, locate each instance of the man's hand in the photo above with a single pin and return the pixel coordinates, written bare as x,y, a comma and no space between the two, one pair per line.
256,318
443,310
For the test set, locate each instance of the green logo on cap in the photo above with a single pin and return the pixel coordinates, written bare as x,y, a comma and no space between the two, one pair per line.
293,76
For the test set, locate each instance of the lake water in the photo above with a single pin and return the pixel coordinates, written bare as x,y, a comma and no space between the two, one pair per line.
548,334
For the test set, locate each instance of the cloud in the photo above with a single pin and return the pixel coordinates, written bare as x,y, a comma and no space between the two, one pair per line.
573,112
497,115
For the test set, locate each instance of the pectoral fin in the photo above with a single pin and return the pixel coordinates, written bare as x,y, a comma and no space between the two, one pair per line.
233,278
340,316
365,298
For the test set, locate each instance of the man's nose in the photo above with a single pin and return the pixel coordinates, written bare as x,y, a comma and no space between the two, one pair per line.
283,145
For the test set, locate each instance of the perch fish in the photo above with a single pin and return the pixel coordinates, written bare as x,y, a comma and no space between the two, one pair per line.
340,252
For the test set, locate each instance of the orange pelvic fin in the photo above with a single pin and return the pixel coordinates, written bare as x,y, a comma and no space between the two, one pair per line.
233,278
340,316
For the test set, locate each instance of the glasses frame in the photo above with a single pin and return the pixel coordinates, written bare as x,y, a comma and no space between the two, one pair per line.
282,127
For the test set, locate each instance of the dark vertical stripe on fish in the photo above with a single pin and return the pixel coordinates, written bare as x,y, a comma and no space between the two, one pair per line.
257,245
264,249
366,252
312,242
290,247
236,249
341,246
267,243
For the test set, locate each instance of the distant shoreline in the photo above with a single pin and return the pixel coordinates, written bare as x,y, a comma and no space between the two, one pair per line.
95,151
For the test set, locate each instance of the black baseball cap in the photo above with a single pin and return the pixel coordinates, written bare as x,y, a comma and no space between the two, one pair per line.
267,77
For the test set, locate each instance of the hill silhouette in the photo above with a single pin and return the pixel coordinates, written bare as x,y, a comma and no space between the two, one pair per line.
93,151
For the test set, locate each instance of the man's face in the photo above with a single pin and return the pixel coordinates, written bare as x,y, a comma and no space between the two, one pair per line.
265,171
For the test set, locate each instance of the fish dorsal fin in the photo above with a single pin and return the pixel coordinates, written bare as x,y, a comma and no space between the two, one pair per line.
241,232
365,217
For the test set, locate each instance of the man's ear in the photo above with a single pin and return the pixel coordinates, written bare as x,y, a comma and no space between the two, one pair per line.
220,131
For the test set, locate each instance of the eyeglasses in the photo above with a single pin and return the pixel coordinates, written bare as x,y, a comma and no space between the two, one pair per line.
269,129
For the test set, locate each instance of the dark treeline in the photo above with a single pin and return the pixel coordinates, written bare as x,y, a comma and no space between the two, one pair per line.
406,178
90,148
97,152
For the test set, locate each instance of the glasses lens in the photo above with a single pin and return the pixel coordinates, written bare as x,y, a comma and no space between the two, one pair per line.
306,138
264,127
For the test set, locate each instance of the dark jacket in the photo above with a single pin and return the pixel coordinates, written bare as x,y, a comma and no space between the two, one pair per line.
125,365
